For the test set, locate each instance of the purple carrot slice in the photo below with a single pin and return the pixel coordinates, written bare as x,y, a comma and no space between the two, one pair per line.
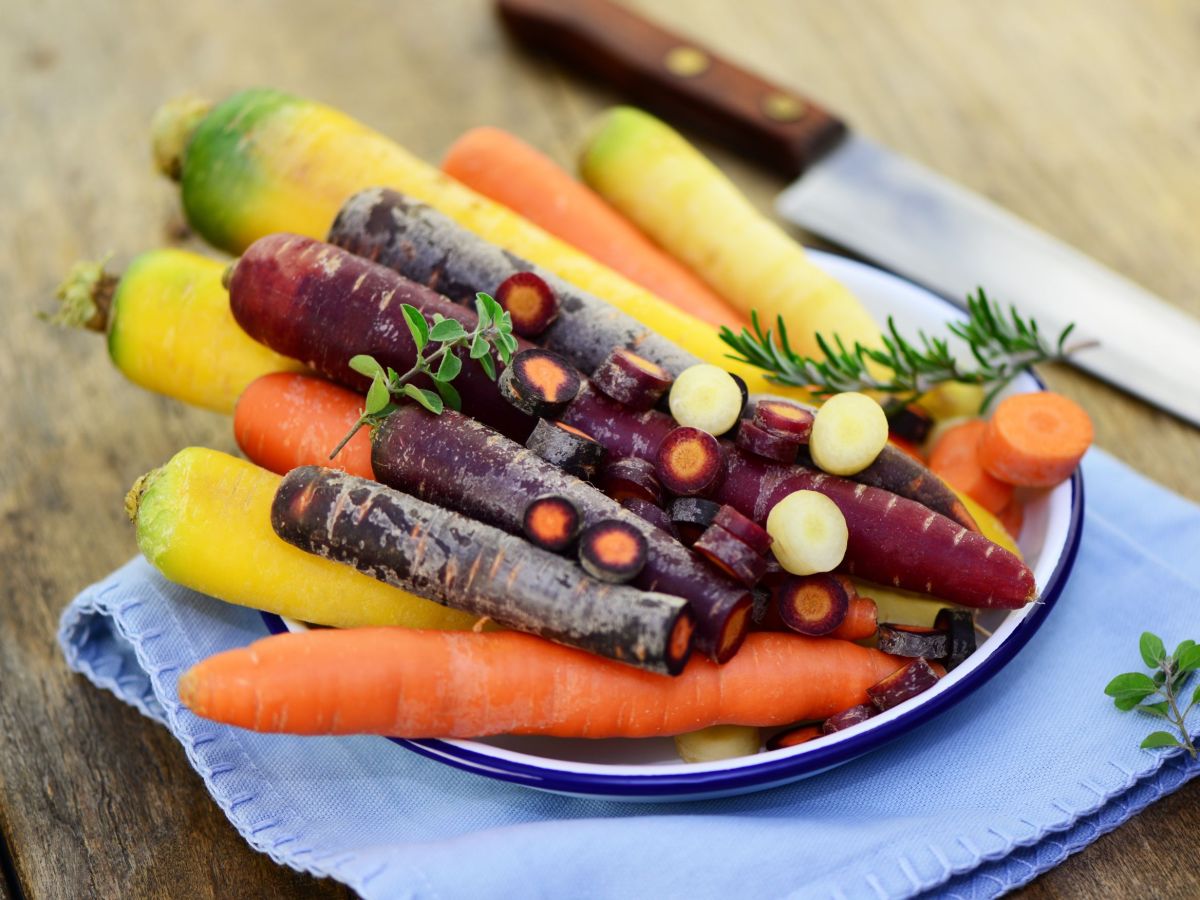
783,417
567,448
613,551
744,529
539,382
690,462
811,604
529,302
772,445
913,640
848,718
691,516
910,422
731,555
903,684
552,523
631,477
631,380
655,515
959,625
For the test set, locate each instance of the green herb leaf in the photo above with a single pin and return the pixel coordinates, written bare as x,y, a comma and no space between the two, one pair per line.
1196,695
506,346
482,312
448,370
427,399
1156,709
1131,688
448,394
1153,651
447,330
488,365
365,365
1158,739
416,324
378,395
480,347
1188,660
495,310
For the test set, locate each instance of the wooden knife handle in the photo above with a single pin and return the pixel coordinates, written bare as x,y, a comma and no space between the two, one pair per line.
678,79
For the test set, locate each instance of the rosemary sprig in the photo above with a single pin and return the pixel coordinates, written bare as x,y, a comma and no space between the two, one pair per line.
435,358
1171,673
1002,345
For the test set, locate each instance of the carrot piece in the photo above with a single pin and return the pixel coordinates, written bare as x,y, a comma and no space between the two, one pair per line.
862,618
529,302
1035,440
552,523
956,459
284,420
419,684
509,171
795,737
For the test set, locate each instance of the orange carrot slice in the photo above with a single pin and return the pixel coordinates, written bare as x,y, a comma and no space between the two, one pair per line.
955,459
1035,440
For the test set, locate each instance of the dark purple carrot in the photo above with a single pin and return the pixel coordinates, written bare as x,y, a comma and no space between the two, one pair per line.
811,604
849,717
631,379
422,244
456,462
903,684
730,555
471,566
552,523
631,477
322,305
613,551
539,382
655,515
893,540
566,448
689,462
691,516
529,302
912,640
744,529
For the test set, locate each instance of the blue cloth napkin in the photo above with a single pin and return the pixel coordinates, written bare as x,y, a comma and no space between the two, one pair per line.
1030,768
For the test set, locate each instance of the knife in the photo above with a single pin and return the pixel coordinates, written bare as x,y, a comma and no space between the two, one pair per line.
887,208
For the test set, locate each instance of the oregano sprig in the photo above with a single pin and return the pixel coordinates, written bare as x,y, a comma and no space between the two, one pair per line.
1003,345
1137,690
435,358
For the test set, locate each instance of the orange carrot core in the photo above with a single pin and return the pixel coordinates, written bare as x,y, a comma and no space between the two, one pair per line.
547,375
618,548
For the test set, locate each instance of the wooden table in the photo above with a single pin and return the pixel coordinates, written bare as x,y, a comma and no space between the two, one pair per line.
1080,117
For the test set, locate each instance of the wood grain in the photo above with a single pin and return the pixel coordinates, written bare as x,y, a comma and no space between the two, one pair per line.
1082,120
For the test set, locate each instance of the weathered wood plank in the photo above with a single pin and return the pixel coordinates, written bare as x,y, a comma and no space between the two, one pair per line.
1007,98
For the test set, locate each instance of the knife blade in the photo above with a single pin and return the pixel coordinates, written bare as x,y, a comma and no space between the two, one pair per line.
887,208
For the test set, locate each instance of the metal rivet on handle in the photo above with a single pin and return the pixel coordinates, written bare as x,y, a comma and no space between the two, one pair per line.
686,62
783,107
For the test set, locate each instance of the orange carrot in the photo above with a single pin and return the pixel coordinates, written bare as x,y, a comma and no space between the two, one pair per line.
860,622
1035,440
417,684
955,459
285,420
509,171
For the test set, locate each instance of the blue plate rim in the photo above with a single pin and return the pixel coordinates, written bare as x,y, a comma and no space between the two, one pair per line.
771,772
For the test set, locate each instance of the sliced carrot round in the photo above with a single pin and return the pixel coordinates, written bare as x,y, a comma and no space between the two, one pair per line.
955,459
1035,440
